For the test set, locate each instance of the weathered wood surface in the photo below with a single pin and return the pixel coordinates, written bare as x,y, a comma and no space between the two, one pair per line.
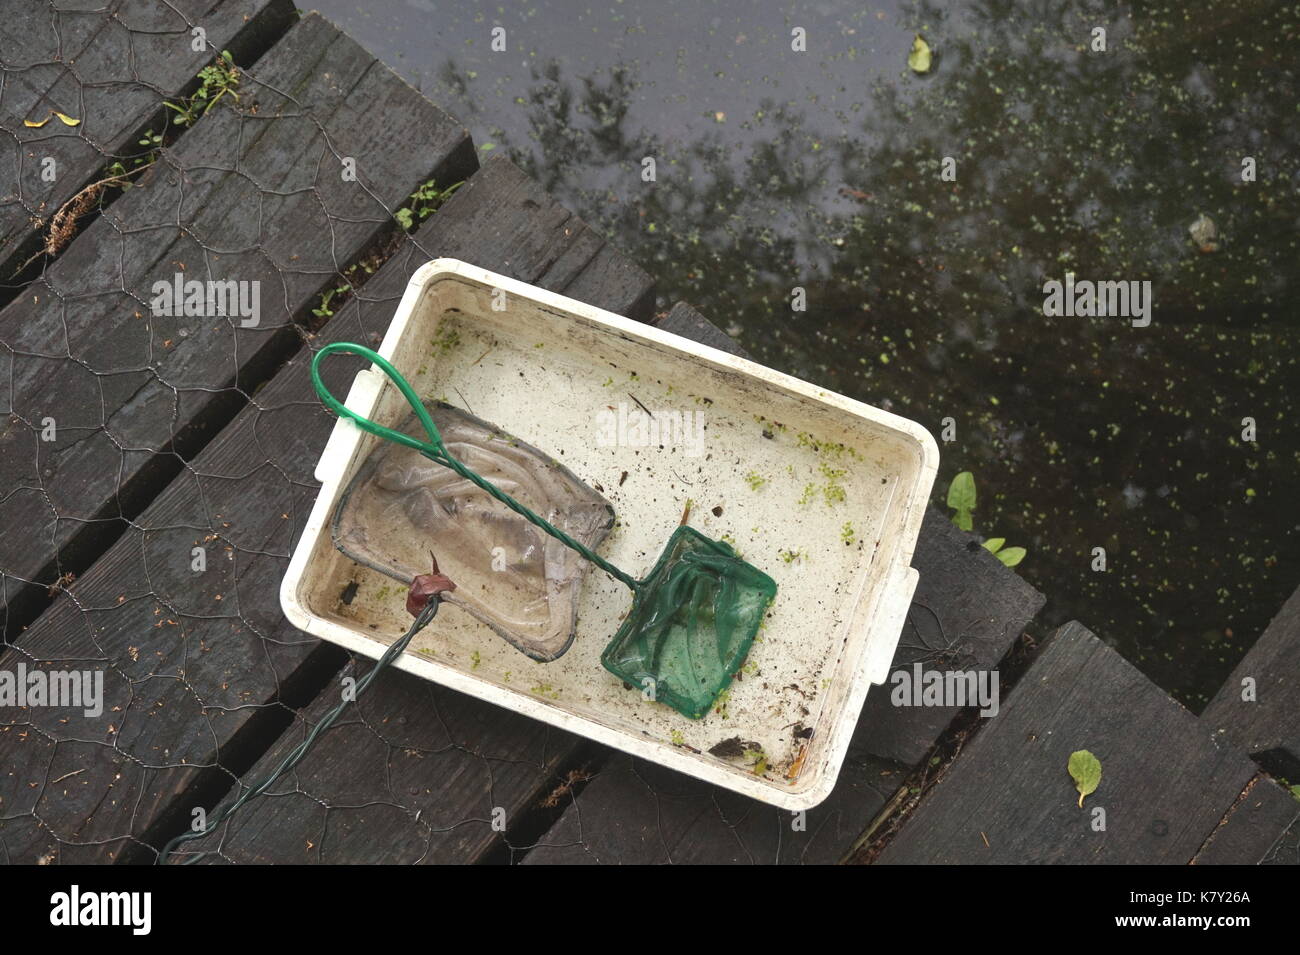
684,320
1266,726
412,773
967,613
196,665
1008,798
252,196
110,65
1262,828
634,812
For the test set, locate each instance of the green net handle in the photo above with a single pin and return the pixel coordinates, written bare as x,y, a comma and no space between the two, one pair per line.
435,450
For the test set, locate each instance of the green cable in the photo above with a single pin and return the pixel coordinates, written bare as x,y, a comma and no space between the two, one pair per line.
434,450
296,755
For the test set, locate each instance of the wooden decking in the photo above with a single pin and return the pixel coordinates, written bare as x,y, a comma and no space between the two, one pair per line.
176,434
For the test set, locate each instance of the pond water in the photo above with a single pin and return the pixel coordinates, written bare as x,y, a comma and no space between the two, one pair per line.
822,169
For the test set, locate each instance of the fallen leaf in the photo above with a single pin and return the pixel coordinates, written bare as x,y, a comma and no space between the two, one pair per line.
1085,770
67,120
919,58
32,124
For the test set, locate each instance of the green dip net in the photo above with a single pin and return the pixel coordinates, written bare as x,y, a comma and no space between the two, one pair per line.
693,617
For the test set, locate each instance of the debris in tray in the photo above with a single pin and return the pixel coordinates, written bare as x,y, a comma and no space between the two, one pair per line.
734,748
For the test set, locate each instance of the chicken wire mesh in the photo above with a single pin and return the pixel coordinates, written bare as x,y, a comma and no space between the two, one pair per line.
201,673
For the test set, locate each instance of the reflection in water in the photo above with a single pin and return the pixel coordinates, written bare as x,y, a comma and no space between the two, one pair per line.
778,169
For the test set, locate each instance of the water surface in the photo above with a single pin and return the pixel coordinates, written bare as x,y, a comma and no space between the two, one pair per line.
779,169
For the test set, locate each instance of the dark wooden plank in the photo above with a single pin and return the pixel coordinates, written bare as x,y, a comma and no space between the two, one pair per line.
111,66
637,813
1009,799
967,612
1266,723
194,668
413,773
683,319
252,196
1262,828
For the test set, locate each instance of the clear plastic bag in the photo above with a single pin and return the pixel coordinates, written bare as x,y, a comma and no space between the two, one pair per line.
509,573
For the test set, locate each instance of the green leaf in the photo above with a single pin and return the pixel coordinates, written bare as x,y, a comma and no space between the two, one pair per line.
919,58
1085,770
961,492
1011,556
994,544
487,147
1295,791
961,498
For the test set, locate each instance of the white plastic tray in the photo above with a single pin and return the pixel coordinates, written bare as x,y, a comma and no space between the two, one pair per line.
829,505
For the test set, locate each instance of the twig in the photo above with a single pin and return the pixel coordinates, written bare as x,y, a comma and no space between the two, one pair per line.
63,223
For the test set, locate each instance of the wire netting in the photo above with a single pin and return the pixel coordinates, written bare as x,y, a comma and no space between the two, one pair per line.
155,471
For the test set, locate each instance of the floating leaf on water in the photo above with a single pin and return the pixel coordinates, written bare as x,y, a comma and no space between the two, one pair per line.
1085,770
919,58
1204,233
66,119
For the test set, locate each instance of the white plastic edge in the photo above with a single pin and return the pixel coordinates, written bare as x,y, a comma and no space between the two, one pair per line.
338,449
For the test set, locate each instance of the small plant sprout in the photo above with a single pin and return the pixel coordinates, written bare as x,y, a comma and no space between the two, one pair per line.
218,80
1008,555
423,203
324,310
961,498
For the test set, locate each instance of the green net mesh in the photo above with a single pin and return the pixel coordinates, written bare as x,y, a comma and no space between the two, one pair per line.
693,619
